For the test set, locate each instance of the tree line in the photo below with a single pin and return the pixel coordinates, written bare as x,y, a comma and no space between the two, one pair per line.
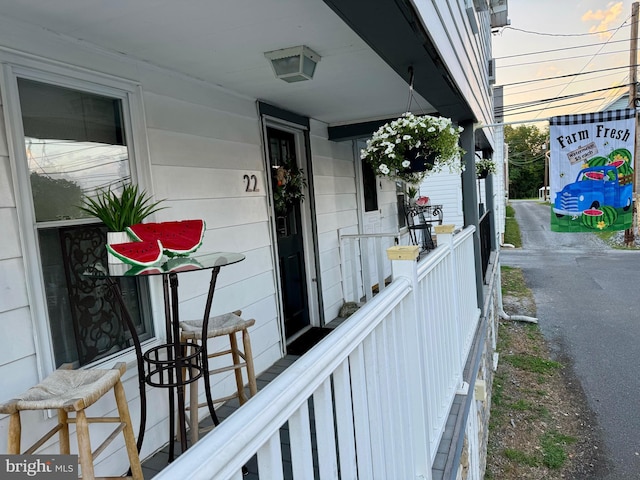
526,157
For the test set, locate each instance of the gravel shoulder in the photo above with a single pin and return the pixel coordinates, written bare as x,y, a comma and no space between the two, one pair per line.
541,426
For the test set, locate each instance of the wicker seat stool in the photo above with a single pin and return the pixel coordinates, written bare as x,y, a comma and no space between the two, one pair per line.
226,324
68,391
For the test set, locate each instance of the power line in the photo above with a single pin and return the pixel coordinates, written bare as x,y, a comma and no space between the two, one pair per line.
612,95
508,27
567,75
559,49
585,65
558,106
577,81
559,59
565,97
547,87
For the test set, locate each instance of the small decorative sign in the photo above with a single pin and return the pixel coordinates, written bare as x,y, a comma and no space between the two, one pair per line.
583,154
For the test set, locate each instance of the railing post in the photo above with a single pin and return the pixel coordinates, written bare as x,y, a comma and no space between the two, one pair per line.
444,235
404,265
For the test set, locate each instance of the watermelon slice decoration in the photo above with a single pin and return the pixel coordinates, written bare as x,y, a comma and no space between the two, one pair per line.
139,270
617,163
182,265
177,238
621,159
137,253
594,175
599,218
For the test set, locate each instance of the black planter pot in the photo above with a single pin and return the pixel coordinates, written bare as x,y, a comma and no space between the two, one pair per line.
482,174
421,161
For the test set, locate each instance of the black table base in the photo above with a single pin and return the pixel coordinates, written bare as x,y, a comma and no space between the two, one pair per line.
167,364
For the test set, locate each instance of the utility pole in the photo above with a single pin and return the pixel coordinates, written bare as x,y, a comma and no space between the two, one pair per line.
629,234
547,154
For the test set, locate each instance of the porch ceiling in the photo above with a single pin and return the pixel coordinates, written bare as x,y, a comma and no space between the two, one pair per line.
223,42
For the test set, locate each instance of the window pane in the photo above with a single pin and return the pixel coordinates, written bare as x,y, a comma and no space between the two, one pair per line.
84,315
75,144
400,198
370,187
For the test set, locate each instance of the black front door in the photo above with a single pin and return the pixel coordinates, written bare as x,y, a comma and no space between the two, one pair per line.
288,183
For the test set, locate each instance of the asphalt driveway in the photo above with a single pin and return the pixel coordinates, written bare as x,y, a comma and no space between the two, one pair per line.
588,305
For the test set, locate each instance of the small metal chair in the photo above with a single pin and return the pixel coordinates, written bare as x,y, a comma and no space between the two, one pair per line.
419,222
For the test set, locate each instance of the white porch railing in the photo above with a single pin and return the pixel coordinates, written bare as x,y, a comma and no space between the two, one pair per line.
360,272
381,385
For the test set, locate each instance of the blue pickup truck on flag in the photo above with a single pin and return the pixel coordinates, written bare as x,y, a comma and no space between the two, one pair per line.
592,171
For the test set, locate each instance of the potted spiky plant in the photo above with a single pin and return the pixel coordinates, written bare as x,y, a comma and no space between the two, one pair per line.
120,210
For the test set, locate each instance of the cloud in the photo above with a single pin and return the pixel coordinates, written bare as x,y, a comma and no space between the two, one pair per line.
606,19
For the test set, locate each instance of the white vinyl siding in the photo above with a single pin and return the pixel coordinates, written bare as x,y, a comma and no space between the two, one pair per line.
336,210
445,188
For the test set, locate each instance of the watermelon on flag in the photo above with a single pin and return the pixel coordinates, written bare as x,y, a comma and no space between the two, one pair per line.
178,237
137,253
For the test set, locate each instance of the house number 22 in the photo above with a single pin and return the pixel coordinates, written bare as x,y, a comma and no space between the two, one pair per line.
250,183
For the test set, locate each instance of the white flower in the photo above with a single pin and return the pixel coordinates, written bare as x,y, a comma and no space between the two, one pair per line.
387,146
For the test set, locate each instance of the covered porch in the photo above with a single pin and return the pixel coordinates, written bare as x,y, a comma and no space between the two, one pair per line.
393,392
194,106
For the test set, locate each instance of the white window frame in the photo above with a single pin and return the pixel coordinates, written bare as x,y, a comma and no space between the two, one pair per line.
14,66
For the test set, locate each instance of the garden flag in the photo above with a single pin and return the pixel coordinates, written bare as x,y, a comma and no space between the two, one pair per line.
591,171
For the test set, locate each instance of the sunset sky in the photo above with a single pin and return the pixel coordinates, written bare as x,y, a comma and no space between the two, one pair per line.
567,37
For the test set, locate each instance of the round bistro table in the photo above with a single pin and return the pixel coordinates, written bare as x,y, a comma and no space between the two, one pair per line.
167,365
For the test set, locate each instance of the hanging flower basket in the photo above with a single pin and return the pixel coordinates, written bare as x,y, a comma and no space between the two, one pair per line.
420,161
411,147
484,167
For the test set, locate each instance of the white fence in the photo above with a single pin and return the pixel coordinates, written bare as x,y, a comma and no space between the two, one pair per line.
380,386
364,263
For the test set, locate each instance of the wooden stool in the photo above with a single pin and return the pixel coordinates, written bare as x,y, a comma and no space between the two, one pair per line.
68,390
226,324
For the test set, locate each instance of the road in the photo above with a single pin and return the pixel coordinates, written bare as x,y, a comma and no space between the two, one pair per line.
587,297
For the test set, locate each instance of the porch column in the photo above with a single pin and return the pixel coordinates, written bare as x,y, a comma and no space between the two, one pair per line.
470,198
491,208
